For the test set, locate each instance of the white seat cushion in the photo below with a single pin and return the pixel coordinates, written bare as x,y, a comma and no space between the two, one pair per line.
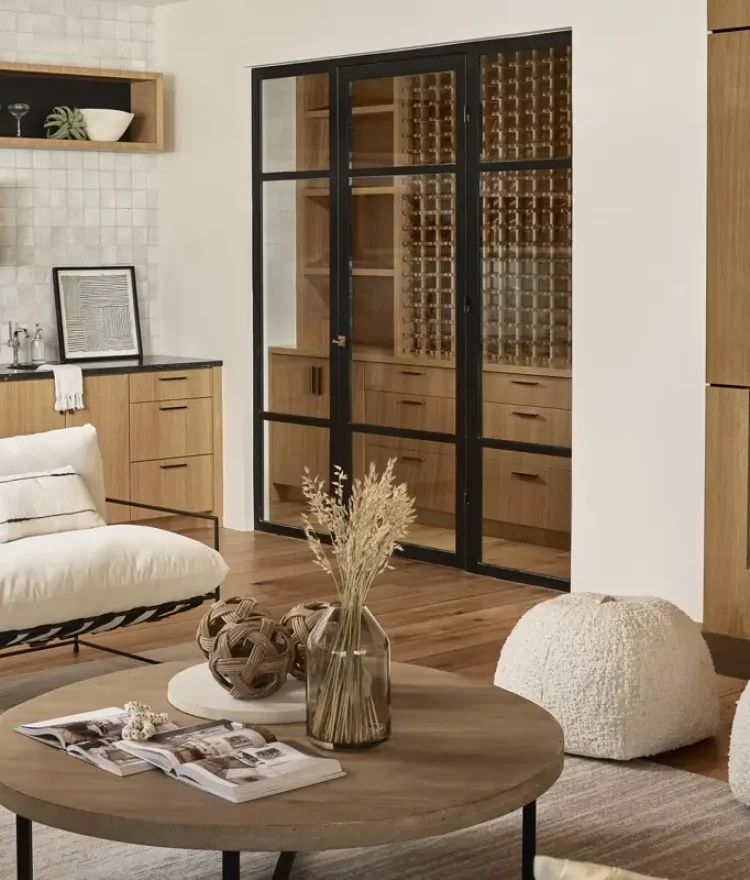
51,579
77,447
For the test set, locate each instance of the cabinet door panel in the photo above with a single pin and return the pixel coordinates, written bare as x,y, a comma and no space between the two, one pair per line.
170,385
292,448
728,257
299,385
106,402
27,406
181,483
527,424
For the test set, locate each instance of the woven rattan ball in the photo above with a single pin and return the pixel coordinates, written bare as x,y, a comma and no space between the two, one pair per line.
300,621
235,610
252,659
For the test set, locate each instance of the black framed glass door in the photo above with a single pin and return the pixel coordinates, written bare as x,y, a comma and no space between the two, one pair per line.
412,293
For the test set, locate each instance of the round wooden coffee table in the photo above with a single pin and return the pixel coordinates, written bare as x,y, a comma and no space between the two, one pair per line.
460,754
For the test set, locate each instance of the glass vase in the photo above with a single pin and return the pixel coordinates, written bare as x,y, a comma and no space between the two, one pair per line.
348,680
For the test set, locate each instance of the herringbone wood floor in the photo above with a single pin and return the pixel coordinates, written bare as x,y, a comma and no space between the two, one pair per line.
435,616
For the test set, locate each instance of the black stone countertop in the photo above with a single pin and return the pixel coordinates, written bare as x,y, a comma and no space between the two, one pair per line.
147,364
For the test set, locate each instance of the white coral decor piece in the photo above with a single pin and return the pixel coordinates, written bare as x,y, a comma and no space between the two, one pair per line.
143,721
625,677
739,750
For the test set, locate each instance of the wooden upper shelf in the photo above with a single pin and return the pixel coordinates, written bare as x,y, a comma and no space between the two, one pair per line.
44,86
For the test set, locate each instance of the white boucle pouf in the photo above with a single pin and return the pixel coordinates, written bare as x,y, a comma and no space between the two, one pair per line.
739,750
625,677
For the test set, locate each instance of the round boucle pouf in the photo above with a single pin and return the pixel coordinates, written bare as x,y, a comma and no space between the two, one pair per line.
739,750
625,677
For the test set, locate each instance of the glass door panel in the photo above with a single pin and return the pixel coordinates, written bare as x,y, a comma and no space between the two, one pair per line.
296,113
526,104
403,120
290,449
429,470
296,274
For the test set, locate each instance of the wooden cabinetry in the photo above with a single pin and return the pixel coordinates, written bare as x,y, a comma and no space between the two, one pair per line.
155,450
728,218
726,14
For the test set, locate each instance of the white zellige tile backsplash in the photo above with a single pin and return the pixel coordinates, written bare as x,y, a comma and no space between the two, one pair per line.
71,208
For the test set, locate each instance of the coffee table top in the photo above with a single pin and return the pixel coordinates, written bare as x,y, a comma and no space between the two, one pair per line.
460,754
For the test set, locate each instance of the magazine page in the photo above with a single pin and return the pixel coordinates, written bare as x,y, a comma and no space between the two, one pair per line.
259,771
187,744
100,724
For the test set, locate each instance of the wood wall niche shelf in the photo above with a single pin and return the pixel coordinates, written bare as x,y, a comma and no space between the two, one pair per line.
44,86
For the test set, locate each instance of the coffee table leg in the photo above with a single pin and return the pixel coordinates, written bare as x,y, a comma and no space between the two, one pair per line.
284,866
528,841
24,850
230,866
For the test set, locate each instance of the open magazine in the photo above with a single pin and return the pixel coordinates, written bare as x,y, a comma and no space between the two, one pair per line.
92,736
235,762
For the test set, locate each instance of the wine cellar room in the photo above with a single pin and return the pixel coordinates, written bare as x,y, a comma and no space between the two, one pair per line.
412,243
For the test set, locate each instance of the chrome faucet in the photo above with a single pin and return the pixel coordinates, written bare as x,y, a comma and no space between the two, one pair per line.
14,341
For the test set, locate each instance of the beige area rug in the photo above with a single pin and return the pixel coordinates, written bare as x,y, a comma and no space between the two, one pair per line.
640,816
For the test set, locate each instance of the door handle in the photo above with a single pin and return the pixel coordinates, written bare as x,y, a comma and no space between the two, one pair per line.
170,467
411,402
412,372
164,408
340,341
172,378
520,382
525,475
524,415
415,458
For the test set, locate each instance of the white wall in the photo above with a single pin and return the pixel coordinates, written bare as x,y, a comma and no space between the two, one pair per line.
639,241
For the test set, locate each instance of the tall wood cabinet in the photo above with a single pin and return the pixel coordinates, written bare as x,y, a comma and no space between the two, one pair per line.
159,433
727,523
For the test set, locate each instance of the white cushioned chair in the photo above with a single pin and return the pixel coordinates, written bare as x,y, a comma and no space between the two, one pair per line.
65,584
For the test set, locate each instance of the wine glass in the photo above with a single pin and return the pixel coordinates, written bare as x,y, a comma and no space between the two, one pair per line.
19,111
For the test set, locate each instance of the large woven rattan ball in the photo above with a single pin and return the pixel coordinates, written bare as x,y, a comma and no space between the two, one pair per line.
235,610
300,621
252,659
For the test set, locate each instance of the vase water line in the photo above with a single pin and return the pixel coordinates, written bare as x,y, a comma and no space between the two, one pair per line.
348,680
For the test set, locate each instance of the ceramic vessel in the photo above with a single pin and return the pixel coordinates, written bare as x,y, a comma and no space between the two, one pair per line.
106,125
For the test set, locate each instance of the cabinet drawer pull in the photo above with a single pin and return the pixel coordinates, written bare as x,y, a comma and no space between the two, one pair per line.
319,373
416,458
173,378
412,372
521,382
525,475
171,467
411,402
312,381
166,408
523,415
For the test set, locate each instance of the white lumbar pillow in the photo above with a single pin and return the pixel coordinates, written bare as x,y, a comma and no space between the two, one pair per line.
45,502
561,869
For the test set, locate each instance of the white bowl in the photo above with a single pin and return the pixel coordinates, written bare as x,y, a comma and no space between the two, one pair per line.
106,125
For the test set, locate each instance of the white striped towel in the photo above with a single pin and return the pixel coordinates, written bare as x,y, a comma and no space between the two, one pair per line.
68,386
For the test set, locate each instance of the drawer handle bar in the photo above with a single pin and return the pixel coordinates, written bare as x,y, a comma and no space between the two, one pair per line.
412,372
169,467
523,415
525,475
416,458
172,378
165,408
521,382
411,402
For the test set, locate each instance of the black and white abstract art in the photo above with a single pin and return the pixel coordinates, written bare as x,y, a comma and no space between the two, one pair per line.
97,313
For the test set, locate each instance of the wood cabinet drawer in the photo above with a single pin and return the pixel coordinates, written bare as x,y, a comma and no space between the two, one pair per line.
527,424
170,385
432,381
431,478
525,494
170,429
182,483
298,385
417,412
527,390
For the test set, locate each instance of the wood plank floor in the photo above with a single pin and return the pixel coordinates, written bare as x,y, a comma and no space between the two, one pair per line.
435,616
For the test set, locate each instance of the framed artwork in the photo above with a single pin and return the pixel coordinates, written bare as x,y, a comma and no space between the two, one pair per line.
97,313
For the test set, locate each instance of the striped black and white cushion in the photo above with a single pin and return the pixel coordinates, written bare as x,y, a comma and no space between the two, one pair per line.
44,503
